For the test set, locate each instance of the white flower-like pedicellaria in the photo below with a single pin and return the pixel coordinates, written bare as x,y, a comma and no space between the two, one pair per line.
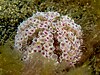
54,36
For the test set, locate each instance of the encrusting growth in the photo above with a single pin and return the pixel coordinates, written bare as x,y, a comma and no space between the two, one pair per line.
54,36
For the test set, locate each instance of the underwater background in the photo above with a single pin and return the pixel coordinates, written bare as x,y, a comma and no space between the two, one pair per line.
84,12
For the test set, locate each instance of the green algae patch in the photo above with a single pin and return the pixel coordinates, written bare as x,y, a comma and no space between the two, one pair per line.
80,71
38,65
10,63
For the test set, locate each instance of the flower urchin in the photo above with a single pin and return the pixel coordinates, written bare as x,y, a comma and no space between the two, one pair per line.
54,36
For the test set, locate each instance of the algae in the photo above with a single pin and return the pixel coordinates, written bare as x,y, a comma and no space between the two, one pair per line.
10,63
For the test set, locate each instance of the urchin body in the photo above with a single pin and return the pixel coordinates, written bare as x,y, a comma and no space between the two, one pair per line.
54,36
